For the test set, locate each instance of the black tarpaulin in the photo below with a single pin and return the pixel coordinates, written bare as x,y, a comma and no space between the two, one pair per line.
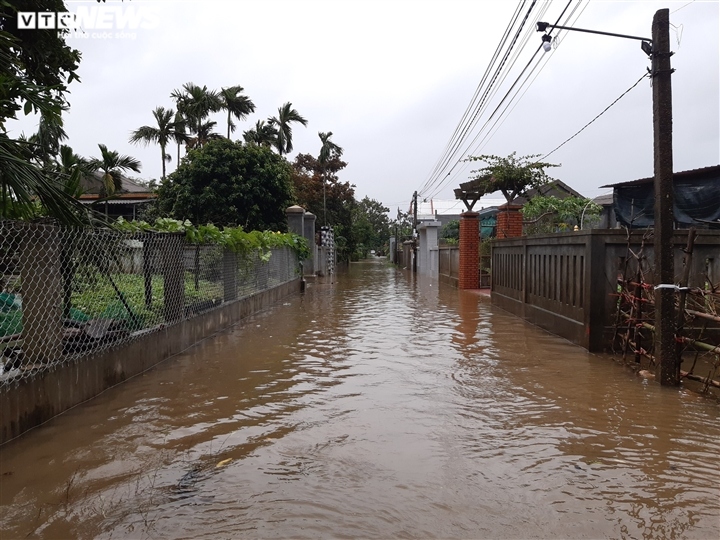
697,202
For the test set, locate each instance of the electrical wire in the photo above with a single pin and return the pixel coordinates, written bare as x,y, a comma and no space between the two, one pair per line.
683,7
439,185
449,155
541,65
593,120
466,114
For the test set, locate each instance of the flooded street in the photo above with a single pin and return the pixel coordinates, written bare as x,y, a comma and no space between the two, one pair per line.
374,407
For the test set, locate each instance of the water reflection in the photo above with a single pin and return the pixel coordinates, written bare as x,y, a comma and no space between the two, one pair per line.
375,406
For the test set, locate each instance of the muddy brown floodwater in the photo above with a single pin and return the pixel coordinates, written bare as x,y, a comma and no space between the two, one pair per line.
374,407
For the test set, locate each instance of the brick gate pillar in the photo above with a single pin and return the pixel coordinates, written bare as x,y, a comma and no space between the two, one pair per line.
469,271
509,221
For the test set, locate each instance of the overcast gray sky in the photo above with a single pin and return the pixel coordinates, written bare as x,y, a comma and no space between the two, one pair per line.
392,78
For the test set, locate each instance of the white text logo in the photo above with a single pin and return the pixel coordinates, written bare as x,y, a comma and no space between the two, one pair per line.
83,18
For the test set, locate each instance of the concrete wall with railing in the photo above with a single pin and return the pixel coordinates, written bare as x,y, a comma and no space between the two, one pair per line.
566,283
449,264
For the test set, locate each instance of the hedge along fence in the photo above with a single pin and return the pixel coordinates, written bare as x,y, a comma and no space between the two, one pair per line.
68,292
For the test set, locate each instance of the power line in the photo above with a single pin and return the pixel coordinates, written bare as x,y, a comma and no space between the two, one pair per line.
466,114
454,146
598,116
439,186
438,183
686,5
514,102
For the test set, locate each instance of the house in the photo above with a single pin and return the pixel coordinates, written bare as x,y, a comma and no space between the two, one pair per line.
124,203
446,211
554,188
696,204
607,214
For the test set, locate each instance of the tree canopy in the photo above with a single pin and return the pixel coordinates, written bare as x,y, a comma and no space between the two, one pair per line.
228,183
550,214
308,178
36,69
167,130
511,175
371,226
282,123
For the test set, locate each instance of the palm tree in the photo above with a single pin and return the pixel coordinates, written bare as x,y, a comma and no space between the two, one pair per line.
236,104
47,140
165,132
196,103
72,168
286,115
262,134
180,134
112,165
328,151
203,134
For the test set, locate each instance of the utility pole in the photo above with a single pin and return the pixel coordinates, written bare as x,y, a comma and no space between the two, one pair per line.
658,47
667,364
414,232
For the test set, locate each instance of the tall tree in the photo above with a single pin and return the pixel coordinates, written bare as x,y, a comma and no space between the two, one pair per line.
328,150
180,134
236,104
203,135
111,165
72,168
371,226
196,103
263,134
48,138
282,122
36,68
165,132
308,178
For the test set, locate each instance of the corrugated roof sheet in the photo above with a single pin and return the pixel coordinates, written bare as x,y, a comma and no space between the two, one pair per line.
704,171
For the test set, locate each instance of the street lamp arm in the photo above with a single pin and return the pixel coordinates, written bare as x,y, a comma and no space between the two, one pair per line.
542,26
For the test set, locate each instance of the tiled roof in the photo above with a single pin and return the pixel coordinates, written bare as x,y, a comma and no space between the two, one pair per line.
92,185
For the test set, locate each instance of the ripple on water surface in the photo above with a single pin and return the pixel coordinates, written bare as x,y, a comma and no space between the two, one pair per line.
375,406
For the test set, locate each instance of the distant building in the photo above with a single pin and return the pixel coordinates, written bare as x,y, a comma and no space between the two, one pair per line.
607,214
124,203
445,211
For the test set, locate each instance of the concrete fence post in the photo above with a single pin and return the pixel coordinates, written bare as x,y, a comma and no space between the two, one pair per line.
295,217
230,274
429,263
173,272
42,293
309,233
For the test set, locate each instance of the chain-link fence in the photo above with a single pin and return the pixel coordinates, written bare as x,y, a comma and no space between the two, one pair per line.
69,292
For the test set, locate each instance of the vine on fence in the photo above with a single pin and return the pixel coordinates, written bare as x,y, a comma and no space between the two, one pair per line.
66,292
234,238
